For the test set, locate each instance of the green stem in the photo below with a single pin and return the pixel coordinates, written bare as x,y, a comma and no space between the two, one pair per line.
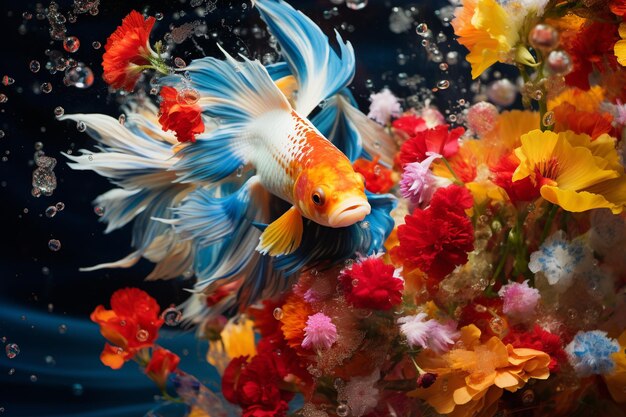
502,262
549,220
456,179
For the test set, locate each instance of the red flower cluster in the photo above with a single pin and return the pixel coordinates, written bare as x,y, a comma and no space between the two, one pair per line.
255,385
409,124
482,312
162,363
618,7
377,177
518,191
594,124
591,48
438,140
132,324
542,340
437,239
128,51
370,284
177,115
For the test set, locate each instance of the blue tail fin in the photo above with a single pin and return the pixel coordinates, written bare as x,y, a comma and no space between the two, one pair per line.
319,70
137,156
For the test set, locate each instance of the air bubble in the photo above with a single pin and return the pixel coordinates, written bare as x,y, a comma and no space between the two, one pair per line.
51,212
3,98
278,313
422,29
96,45
179,62
46,87
443,84
54,245
34,66
81,126
548,119
59,111
6,80
80,76
171,316
142,335
356,4
99,211
12,350
71,44
158,16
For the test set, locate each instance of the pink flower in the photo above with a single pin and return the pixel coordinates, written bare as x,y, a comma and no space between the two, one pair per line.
418,182
320,332
429,334
519,300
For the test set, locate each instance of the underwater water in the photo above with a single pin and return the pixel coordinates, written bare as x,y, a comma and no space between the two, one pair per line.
45,301
52,225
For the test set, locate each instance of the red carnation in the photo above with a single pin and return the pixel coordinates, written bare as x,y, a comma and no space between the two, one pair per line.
162,363
542,340
371,283
591,48
410,124
128,52
438,140
522,190
618,7
437,239
177,115
377,177
452,198
132,324
255,385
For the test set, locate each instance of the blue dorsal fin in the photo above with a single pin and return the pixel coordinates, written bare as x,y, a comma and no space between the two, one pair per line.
352,132
319,70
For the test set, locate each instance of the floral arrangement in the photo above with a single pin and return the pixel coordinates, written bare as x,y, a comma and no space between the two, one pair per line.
501,288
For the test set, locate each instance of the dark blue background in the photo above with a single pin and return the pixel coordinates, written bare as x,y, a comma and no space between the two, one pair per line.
40,289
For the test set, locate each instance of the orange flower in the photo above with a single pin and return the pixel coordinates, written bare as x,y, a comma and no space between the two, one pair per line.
132,324
296,312
471,379
592,123
128,52
180,114
378,179
162,363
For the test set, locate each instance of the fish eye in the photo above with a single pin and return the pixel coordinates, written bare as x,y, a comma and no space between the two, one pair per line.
318,197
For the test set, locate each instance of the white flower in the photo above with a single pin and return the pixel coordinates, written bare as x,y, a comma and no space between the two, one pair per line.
560,260
383,106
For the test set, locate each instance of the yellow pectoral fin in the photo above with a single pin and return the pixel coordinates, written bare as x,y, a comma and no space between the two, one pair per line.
283,235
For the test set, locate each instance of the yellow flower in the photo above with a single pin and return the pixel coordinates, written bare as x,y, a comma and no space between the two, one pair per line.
587,101
471,379
485,28
573,172
237,339
620,46
616,381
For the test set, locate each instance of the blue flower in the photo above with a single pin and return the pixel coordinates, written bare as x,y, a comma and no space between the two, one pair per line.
590,353
560,260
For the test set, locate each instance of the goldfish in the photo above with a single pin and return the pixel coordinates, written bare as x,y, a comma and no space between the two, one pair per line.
265,190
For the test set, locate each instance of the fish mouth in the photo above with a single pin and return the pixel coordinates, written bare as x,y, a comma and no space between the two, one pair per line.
348,212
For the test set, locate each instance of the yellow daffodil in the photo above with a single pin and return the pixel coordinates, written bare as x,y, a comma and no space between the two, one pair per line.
488,31
616,381
471,379
572,171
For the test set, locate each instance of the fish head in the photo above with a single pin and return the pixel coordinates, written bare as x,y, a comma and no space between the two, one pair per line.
331,194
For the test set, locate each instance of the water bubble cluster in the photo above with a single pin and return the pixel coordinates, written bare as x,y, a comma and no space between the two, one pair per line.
44,180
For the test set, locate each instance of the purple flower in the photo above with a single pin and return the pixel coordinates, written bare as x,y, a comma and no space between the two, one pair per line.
418,183
519,300
429,334
320,332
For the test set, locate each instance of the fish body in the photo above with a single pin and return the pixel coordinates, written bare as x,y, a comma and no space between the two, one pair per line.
295,162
